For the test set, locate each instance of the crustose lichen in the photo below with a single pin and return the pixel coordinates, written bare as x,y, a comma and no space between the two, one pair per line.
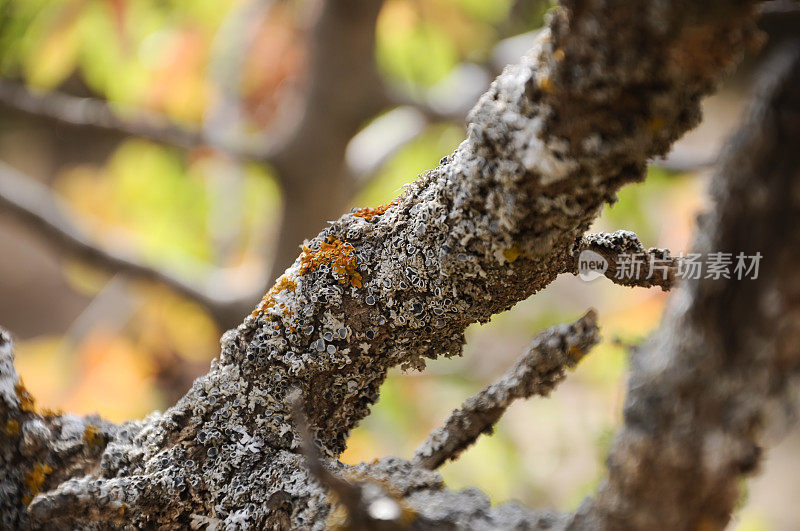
26,401
368,212
283,283
34,481
336,253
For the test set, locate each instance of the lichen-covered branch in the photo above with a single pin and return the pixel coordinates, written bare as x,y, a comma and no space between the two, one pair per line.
543,366
629,262
39,448
552,140
726,358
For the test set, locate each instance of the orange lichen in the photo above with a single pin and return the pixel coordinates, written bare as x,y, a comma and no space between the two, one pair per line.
26,401
559,55
34,481
12,427
337,253
283,283
28,404
369,213
92,436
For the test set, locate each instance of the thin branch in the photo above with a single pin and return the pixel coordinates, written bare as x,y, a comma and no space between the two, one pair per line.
347,493
42,212
81,112
98,114
537,372
624,260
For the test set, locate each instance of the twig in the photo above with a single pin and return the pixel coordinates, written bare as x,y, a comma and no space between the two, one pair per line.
625,260
98,114
537,372
41,211
90,112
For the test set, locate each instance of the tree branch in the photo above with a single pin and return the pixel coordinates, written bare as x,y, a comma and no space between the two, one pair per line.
552,140
537,372
41,212
74,111
97,114
626,260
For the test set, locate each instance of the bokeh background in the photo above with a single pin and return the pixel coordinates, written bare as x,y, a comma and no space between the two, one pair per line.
93,340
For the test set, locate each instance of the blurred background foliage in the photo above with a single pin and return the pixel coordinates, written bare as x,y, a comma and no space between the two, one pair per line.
134,347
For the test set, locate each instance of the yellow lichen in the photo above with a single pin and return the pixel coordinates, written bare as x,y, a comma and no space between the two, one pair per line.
369,213
28,404
559,55
26,400
92,436
49,412
337,253
12,427
34,480
283,283
512,253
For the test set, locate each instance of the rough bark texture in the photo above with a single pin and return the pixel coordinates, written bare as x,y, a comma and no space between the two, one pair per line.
726,357
609,85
